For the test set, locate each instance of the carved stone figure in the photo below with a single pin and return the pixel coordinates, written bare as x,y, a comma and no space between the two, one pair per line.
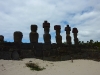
1,38
46,36
18,37
75,31
58,36
68,37
33,34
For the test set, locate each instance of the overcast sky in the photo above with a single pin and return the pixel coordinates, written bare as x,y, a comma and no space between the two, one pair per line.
18,15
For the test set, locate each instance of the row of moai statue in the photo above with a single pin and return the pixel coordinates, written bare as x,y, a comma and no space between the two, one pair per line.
46,36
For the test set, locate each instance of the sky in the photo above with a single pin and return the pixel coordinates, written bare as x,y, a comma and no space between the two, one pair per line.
19,15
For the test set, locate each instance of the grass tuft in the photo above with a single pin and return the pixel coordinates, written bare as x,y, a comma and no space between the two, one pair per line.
34,66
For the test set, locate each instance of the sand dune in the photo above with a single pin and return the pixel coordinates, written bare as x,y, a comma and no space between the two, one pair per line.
78,67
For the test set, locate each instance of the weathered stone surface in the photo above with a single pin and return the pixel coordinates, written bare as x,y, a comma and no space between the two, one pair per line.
27,53
67,29
15,55
33,34
33,37
1,38
6,55
58,36
68,37
33,28
46,36
75,32
59,39
18,36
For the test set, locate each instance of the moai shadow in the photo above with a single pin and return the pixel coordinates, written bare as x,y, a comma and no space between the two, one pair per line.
17,42
47,39
68,37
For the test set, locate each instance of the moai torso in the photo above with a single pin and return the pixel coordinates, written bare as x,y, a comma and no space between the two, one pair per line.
33,34
18,37
75,31
68,37
46,35
58,36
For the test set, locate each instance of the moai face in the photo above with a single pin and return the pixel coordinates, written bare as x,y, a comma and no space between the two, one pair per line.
34,28
57,28
18,36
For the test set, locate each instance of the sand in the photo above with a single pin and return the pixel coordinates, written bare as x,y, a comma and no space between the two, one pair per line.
78,67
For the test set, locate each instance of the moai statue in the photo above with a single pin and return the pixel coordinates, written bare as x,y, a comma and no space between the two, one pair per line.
18,37
1,38
47,39
68,37
33,34
17,41
46,36
58,36
75,31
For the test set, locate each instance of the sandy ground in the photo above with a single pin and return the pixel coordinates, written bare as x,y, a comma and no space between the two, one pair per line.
78,67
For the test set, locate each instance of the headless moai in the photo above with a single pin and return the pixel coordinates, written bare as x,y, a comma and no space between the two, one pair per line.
33,34
68,37
1,38
75,31
58,36
46,36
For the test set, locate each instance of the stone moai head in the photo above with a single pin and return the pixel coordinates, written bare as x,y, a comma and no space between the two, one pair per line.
75,31
67,29
18,36
34,28
1,38
57,28
33,34
46,27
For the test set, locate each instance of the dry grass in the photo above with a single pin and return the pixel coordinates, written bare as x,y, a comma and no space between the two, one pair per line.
34,66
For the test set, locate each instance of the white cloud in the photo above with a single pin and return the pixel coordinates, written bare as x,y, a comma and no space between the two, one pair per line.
18,15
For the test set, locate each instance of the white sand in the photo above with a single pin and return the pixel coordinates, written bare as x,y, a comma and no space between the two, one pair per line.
78,67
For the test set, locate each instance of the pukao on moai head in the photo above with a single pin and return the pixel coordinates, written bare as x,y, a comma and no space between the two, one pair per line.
33,34
1,38
46,36
75,31
18,37
68,37
58,36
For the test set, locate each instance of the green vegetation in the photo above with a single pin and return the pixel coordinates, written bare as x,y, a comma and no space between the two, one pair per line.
34,66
